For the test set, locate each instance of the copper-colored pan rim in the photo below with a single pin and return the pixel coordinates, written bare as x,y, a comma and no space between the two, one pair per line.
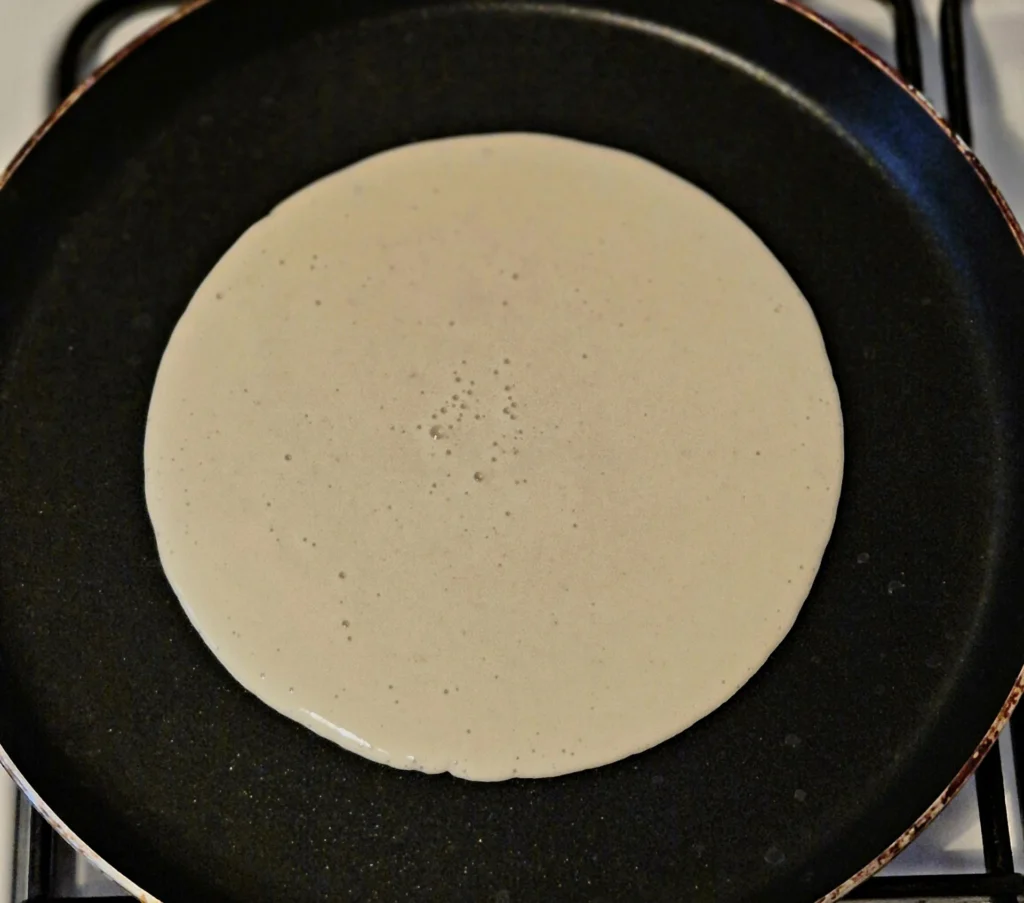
74,96
55,821
991,735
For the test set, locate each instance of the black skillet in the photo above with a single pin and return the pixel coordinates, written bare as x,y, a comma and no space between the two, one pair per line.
907,654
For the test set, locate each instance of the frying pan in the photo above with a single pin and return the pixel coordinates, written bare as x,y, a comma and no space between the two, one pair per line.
906,659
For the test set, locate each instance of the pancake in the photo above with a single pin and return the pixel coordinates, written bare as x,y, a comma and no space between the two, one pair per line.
503,455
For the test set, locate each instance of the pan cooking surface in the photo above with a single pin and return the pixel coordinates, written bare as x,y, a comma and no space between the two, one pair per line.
908,645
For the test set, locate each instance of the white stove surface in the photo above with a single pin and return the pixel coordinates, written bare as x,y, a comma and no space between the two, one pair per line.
31,33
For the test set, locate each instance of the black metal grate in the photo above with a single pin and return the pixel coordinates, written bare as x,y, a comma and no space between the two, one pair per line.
1000,883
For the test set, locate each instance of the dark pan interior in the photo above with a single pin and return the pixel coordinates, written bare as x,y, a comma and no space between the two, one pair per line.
912,637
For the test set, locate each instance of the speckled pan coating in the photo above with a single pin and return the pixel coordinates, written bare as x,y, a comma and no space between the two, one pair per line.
907,654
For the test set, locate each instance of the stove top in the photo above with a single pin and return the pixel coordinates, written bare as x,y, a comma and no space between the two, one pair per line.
971,850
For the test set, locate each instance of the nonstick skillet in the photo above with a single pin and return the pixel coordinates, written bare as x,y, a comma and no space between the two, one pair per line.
906,659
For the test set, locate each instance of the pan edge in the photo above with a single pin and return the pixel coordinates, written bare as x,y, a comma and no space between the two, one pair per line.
68,102
1017,690
40,805
943,800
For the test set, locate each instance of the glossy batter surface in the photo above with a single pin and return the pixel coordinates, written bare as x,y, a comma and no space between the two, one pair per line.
501,455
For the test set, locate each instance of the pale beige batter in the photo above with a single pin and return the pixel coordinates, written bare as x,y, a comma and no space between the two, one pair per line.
502,455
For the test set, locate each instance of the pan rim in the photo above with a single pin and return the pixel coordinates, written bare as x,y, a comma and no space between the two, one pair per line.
1017,689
